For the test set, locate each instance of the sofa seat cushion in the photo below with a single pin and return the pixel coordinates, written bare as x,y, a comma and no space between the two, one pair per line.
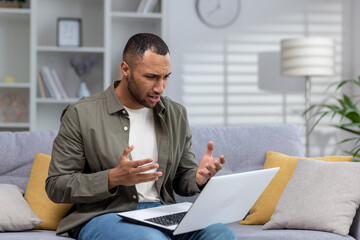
255,232
32,235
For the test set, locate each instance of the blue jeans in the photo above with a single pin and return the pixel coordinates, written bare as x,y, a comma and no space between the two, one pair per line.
110,227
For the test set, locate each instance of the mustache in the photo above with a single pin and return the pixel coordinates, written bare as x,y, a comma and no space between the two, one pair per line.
155,94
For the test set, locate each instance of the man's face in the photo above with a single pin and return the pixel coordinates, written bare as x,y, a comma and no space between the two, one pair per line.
147,82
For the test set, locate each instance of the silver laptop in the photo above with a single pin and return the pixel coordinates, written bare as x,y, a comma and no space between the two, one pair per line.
224,199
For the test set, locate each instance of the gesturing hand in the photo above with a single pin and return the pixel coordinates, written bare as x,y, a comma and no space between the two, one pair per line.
208,166
129,173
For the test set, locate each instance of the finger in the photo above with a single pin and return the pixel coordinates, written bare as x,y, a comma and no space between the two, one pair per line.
210,148
222,159
147,177
204,173
211,169
143,169
127,151
139,163
218,166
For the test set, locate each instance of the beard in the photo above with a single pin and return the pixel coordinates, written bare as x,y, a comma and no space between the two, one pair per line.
134,91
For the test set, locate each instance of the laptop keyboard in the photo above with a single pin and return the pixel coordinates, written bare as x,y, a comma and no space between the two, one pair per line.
168,220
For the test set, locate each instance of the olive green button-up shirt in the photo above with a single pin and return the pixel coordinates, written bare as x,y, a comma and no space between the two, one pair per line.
93,134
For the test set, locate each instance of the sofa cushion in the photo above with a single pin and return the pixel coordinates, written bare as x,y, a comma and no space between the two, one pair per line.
264,207
49,212
319,196
15,213
245,147
255,232
355,226
32,235
17,151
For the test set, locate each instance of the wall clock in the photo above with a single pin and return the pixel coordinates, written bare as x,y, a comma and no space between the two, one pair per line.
218,13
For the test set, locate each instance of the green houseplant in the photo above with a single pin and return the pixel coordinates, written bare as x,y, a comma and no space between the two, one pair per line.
348,110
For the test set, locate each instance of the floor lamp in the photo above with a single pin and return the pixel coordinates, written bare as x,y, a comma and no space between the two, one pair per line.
307,57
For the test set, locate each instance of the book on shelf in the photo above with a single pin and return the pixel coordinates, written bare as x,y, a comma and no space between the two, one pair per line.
52,83
46,89
146,6
41,85
45,73
141,6
38,91
59,84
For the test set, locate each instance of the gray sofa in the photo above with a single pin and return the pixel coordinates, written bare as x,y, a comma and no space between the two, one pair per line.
243,147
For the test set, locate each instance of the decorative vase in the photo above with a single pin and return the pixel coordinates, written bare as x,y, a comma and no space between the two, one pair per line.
83,90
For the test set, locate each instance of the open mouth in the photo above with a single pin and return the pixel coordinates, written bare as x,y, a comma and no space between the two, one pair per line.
154,99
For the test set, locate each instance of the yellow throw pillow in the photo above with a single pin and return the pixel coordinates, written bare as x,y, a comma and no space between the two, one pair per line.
49,212
264,207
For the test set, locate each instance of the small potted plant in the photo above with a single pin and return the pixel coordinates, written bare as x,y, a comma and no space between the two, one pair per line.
349,111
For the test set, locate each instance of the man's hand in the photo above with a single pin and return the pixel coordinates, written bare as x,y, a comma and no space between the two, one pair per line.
208,166
129,173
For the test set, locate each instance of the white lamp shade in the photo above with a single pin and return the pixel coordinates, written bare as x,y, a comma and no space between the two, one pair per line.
307,57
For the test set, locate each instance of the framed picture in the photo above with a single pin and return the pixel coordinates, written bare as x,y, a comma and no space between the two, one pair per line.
69,32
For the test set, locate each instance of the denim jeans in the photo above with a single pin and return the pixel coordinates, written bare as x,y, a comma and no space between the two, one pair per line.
110,227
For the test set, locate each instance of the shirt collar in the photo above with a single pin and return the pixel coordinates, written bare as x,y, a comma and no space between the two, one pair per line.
114,104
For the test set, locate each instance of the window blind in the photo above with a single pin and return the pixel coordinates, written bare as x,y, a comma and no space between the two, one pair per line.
220,77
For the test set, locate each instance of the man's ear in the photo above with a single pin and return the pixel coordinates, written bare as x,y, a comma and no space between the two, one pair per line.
125,69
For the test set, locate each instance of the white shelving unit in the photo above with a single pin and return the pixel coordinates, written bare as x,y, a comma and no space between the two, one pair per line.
15,85
12,12
15,125
47,53
136,15
31,44
14,61
122,15
70,49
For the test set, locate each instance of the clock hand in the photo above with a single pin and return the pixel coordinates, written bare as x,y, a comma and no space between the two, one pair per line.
217,7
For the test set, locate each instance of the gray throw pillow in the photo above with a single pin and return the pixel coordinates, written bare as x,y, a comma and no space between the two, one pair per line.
320,196
15,213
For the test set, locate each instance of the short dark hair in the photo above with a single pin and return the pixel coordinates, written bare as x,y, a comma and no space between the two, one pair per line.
141,42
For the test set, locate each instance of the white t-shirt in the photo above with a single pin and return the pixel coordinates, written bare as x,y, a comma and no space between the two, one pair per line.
142,135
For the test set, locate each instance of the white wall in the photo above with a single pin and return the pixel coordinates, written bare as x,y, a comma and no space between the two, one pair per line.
200,70
356,39
187,34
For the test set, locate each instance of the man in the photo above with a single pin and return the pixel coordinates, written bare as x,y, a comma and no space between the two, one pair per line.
128,148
